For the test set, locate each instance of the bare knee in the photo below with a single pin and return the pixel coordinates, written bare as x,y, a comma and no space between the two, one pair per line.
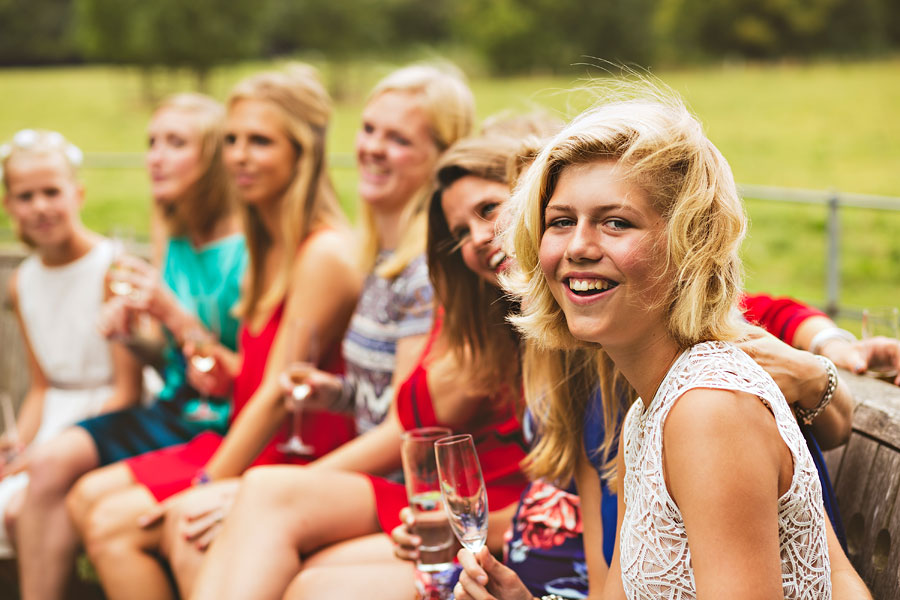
90,489
112,523
274,487
56,465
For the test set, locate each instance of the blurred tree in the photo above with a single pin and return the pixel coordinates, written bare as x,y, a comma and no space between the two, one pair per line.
523,35
768,29
36,31
173,33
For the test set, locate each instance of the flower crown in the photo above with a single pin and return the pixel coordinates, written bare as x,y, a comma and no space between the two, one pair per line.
29,139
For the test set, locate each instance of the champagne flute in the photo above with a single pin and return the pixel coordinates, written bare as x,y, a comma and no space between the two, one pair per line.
463,490
301,358
435,563
881,322
123,240
203,360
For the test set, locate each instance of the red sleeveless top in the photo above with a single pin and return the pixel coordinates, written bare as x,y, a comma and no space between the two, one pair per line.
170,470
495,429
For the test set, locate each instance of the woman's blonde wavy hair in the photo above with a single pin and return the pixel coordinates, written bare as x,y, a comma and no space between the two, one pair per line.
211,198
310,200
662,149
450,108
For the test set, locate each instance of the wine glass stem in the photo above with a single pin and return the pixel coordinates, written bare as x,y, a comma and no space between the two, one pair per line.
297,420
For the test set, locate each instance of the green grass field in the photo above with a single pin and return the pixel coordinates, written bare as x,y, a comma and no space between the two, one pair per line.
818,126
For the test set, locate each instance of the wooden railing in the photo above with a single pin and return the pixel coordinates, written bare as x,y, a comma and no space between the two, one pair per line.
866,476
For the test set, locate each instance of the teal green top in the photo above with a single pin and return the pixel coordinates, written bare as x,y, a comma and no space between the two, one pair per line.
206,282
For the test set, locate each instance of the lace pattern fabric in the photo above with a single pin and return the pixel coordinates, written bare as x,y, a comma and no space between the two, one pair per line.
654,552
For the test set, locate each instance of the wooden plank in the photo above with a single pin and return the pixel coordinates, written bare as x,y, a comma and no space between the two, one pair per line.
879,559
850,489
877,412
833,462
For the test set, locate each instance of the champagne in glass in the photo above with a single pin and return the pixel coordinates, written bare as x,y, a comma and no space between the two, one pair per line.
463,490
123,241
881,322
301,357
294,379
203,360
434,567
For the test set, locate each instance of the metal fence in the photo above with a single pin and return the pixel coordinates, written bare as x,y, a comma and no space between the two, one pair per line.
833,200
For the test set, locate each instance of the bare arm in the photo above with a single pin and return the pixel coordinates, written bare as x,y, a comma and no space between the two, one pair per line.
376,451
846,584
317,296
726,466
802,379
588,484
126,379
30,414
612,587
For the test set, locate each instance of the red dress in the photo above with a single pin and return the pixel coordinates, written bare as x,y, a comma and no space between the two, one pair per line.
170,470
498,438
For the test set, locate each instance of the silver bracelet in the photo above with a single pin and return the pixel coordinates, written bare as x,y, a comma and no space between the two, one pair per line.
552,597
808,415
828,334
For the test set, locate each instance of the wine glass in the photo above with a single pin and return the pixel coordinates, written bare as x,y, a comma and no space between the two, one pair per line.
301,358
423,490
203,360
881,322
123,241
463,490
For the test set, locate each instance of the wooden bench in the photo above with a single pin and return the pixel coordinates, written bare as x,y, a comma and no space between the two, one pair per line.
866,476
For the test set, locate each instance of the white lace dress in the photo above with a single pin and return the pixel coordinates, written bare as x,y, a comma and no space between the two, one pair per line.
654,552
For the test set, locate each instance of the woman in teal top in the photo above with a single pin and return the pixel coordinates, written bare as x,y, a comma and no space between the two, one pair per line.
194,291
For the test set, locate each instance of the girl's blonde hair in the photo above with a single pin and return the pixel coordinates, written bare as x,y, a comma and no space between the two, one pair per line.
211,198
310,200
450,109
37,142
662,149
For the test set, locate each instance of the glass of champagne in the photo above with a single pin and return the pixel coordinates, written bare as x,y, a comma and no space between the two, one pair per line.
463,490
301,358
423,491
881,322
123,241
203,359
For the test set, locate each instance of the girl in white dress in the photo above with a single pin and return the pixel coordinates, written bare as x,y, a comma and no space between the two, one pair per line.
626,231
57,293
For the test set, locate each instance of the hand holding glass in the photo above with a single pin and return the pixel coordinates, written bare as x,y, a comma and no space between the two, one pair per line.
301,357
881,322
294,379
423,490
463,490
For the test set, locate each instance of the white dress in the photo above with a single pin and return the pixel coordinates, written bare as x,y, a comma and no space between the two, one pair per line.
60,307
654,552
